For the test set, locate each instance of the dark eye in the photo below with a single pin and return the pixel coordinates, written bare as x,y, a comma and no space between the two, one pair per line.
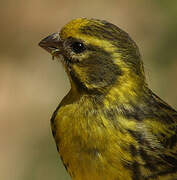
78,47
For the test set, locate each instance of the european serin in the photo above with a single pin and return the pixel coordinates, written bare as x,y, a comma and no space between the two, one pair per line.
110,126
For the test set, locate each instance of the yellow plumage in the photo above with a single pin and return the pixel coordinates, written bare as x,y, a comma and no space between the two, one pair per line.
110,126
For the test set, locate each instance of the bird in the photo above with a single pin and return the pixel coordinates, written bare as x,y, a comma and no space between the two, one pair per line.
110,125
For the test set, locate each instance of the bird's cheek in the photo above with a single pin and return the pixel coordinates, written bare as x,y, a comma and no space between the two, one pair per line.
80,72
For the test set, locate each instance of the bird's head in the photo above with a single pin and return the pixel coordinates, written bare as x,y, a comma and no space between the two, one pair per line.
97,55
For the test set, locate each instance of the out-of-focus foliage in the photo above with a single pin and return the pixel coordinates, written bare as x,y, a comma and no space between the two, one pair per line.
32,84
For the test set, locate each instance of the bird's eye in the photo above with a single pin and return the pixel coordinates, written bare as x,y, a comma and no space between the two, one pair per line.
78,47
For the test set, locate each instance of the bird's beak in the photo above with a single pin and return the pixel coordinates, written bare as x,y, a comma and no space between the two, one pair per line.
52,44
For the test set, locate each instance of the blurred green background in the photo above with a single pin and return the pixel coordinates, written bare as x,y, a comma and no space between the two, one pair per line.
32,84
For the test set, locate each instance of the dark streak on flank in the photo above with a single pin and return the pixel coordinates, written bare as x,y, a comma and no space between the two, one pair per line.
171,160
136,171
149,160
133,150
134,166
156,165
166,172
171,141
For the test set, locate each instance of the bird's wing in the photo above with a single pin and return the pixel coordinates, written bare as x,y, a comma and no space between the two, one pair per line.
169,126
163,131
